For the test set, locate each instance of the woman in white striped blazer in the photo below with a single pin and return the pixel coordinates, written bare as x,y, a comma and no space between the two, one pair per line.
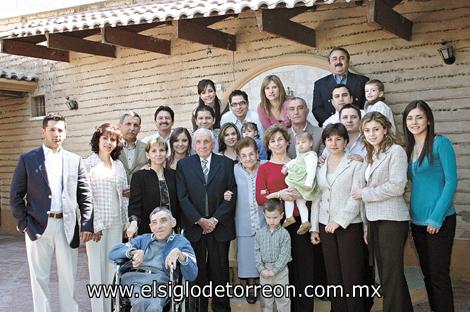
336,218
108,180
385,178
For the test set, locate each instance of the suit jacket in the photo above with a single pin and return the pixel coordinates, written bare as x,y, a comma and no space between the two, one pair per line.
383,193
30,195
322,107
334,201
316,134
145,196
139,161
192,188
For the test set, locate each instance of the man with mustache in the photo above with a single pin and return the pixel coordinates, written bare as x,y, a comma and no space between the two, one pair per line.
338,60
133,157
164,118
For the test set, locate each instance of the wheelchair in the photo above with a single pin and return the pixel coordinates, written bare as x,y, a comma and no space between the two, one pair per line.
123,304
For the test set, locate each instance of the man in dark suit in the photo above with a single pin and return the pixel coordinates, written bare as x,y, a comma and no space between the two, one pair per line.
338,60
208,219
48,185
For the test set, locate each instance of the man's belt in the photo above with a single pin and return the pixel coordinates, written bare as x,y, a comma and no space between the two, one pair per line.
58,215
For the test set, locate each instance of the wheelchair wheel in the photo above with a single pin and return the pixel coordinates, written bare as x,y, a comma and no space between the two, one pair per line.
118,303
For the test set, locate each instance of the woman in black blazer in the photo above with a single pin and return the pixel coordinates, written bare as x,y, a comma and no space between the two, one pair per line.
151,188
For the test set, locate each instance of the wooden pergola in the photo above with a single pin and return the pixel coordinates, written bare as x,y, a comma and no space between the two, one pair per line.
54,38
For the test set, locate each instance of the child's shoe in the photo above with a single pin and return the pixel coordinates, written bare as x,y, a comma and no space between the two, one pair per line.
303,228
288,221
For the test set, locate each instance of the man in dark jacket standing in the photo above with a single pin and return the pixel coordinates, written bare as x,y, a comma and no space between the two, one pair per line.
48,185
338,60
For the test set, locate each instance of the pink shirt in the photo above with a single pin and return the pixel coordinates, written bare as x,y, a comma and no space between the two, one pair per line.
266,121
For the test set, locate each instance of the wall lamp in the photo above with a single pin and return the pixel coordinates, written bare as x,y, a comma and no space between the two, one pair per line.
71,103
447,53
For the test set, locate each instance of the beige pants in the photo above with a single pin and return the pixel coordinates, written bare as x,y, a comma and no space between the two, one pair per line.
40,253
102,269
282,304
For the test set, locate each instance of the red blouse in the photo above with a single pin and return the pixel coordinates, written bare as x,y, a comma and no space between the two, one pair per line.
270,178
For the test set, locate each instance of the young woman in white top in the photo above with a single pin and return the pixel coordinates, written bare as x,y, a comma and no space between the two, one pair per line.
337,220
385,177
108,181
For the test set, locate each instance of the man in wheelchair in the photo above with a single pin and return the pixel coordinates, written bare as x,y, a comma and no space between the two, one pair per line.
152,256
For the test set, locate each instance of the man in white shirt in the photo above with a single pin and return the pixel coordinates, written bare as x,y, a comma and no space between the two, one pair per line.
297,111
164,119
48,185
239,112
133,157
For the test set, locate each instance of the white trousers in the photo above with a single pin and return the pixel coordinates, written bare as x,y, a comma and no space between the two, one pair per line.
282,304
40,253
100,268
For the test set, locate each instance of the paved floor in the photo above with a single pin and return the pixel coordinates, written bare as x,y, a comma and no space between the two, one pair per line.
15,291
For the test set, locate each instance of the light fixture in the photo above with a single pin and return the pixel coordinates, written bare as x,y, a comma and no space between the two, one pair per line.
447,53
209,51
71,103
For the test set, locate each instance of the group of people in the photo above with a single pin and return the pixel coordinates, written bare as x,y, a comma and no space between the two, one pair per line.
237,175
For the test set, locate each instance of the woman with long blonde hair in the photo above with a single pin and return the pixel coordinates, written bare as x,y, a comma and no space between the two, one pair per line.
273,106
385,178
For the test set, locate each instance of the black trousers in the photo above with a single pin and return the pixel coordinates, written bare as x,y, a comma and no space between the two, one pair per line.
212,262
387,242
344,263
306,267
434,252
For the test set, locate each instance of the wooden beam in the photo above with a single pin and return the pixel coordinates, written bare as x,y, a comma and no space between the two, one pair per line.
17,85
16,47
135,41
207,21
139,27
382,16
11,95
68,43
277,22
189,30
392,3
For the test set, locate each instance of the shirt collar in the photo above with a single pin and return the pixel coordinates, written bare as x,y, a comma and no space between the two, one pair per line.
129,146
48,151
208,159
341,80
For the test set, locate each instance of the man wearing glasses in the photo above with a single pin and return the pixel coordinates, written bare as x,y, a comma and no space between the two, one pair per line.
239,112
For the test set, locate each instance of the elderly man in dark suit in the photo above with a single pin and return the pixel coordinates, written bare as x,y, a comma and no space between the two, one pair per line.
48,185
208,219
338,60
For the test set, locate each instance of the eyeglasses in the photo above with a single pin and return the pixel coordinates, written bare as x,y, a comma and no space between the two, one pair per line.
236,104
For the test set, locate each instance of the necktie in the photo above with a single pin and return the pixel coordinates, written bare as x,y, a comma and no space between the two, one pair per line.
205,169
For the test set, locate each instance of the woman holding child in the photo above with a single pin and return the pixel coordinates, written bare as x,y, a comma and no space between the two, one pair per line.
385,179
336,218
270,182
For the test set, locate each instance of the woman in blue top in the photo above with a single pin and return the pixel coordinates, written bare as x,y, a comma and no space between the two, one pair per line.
433,172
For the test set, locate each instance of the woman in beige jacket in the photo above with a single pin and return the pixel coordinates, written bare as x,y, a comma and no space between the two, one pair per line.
337,219
385,175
